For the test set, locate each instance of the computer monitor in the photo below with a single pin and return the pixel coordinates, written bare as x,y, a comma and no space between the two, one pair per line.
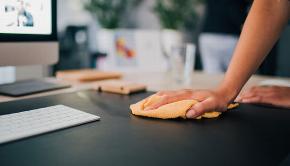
28,36
28,32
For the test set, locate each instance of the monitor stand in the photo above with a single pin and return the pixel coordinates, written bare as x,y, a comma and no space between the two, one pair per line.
28,87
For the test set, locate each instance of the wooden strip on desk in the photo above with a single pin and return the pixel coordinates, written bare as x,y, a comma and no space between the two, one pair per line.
86,75
120,87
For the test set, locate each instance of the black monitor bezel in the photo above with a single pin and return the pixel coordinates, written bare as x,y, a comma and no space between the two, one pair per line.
34,37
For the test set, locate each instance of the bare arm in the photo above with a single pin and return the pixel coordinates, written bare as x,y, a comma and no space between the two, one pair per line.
261,30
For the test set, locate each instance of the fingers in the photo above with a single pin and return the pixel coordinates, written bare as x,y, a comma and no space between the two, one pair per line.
207,105
199,96
170,97
157,105
254,92
165,100
209,101
255,99
260,100
277,96
259,95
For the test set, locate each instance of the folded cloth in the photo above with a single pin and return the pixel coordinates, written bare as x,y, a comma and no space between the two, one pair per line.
170,111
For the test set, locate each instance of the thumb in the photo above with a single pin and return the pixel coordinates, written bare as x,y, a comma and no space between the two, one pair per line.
199,109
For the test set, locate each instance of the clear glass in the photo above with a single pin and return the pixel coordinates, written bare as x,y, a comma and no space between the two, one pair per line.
182,60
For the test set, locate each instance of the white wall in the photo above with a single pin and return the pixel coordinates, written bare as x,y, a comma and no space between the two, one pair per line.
71,12
143,16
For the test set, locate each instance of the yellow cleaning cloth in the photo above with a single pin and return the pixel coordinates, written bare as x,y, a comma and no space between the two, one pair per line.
169,111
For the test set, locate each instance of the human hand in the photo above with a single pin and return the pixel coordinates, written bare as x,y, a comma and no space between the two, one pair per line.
273,95
208,101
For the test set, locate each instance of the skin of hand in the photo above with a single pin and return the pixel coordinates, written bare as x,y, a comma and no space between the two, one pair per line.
272,95
211,101
262,28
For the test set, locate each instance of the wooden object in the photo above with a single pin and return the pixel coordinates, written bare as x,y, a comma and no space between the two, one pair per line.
86,75
120,87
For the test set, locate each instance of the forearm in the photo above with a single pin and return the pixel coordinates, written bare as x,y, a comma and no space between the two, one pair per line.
261,31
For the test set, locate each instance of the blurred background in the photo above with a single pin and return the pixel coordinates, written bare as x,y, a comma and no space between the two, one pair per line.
143,35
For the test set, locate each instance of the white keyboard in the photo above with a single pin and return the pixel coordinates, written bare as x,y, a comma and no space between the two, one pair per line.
34,122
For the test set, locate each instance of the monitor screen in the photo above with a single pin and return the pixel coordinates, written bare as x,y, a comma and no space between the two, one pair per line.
27,20
26,17
28,32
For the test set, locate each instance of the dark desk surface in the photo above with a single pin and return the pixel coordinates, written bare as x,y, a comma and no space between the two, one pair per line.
249,135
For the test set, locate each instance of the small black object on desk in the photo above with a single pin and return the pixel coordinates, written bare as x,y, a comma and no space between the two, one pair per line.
248,135
28,87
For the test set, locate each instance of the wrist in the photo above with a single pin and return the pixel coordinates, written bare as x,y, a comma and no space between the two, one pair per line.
228,92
